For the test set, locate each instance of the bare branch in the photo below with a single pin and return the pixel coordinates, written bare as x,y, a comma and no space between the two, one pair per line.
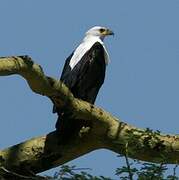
36,79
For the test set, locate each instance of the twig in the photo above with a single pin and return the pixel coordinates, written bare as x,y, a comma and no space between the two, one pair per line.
174,170
5,173
127,162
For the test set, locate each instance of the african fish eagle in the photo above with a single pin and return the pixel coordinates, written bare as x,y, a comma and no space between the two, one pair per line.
84,69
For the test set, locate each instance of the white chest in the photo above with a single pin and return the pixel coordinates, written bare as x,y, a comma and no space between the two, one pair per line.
83,48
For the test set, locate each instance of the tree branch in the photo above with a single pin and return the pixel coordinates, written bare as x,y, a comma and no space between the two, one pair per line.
35,77
42,153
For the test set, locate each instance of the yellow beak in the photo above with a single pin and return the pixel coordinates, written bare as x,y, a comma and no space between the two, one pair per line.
108,32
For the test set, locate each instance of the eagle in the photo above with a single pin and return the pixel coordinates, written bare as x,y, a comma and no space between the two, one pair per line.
83,74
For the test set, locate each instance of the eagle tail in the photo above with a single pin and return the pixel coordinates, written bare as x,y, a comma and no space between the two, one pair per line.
67,128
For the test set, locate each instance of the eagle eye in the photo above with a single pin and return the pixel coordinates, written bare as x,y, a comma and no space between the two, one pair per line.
101,30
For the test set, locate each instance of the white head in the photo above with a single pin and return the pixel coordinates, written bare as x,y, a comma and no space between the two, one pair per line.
99,31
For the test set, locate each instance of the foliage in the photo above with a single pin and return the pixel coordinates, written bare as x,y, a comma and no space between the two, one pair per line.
70,173
146,171
139,170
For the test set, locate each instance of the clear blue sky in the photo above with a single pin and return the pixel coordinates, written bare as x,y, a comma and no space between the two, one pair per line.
142,81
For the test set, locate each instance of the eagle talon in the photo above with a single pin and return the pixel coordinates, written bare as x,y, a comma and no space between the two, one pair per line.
84,131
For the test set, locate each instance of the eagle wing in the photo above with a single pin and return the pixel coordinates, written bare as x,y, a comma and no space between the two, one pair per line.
86,78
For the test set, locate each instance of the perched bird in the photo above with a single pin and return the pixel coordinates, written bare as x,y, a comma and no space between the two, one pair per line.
84,73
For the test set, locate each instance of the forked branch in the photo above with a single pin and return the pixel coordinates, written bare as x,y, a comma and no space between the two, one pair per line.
45,152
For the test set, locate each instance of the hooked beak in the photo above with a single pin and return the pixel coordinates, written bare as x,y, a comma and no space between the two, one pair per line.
109,32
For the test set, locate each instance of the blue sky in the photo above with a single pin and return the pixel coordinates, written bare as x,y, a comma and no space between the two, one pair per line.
142,81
